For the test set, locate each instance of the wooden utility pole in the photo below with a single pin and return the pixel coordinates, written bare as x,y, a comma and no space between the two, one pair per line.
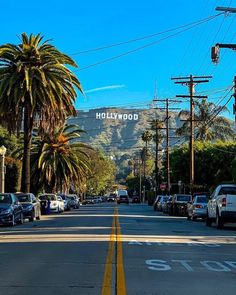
167,146
191,81
167,128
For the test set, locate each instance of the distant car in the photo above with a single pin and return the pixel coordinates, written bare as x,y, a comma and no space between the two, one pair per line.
161,202
11,211
74,200
66,200
197,208
55,205
166,204
88,201
111,198
30,205
136,199
123,199
178,206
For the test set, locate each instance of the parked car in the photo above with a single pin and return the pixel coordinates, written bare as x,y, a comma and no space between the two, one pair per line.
155,202
111,198
166,204
61,201
88,201
178,205
66,200
197,208
221,206
136,199
30,205
11,211
50,203
123,199
74,200
161,202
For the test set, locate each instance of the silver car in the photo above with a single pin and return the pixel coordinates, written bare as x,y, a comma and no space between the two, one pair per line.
197,208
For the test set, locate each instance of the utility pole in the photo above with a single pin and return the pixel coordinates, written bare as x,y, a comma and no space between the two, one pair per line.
167,146
191,81
167,128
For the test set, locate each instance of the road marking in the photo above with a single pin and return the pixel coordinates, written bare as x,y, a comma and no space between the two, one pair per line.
120,274
115,238
210,265
107,279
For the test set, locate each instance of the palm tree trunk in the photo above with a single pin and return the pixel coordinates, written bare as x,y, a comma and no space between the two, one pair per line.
28,129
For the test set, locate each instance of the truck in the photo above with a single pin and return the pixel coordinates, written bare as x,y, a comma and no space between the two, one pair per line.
221,207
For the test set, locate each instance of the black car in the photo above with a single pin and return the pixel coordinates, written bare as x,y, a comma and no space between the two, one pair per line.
11,211
123,199
30,205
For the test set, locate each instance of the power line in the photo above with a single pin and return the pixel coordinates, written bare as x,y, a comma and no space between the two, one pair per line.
147,45
145,37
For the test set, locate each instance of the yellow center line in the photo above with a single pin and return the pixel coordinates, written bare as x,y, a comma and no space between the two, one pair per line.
107,279
120,273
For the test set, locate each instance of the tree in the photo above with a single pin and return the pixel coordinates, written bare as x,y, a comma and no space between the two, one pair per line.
35,84
59,160
213,163
208,126
102,174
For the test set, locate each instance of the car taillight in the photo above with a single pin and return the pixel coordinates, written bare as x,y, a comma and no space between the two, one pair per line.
223,202
198,206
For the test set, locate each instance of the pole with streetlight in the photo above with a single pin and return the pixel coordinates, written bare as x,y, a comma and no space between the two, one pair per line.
2,167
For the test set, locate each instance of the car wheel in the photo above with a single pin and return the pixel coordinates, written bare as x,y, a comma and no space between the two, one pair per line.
219,221
208,220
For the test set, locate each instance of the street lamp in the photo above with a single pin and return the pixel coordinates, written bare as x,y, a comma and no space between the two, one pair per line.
2,167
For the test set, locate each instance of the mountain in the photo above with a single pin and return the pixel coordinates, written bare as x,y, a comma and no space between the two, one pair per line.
118,131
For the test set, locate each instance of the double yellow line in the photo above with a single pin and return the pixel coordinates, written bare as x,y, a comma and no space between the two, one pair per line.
115,243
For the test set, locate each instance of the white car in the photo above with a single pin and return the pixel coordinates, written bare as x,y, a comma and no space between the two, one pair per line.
56,202
221,207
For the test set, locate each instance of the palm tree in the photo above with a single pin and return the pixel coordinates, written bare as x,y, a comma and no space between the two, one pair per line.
34,84
59,160
208,126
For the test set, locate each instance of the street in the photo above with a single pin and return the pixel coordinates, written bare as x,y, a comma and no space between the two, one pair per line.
110,249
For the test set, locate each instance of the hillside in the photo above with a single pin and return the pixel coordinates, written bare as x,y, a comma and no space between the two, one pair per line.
118,131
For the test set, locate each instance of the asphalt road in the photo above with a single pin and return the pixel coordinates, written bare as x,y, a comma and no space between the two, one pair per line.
109,249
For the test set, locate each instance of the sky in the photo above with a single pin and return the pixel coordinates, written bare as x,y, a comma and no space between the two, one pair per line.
75,27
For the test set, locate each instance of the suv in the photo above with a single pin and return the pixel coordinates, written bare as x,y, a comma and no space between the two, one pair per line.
221,206
30,205
178,205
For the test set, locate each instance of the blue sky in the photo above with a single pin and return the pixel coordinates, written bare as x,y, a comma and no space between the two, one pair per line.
75,26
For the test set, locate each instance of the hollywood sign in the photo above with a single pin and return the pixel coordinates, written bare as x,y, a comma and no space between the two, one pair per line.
117,116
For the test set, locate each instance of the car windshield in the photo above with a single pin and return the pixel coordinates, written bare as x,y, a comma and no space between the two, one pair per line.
201,199
5,199
24,198
183,198
230,190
